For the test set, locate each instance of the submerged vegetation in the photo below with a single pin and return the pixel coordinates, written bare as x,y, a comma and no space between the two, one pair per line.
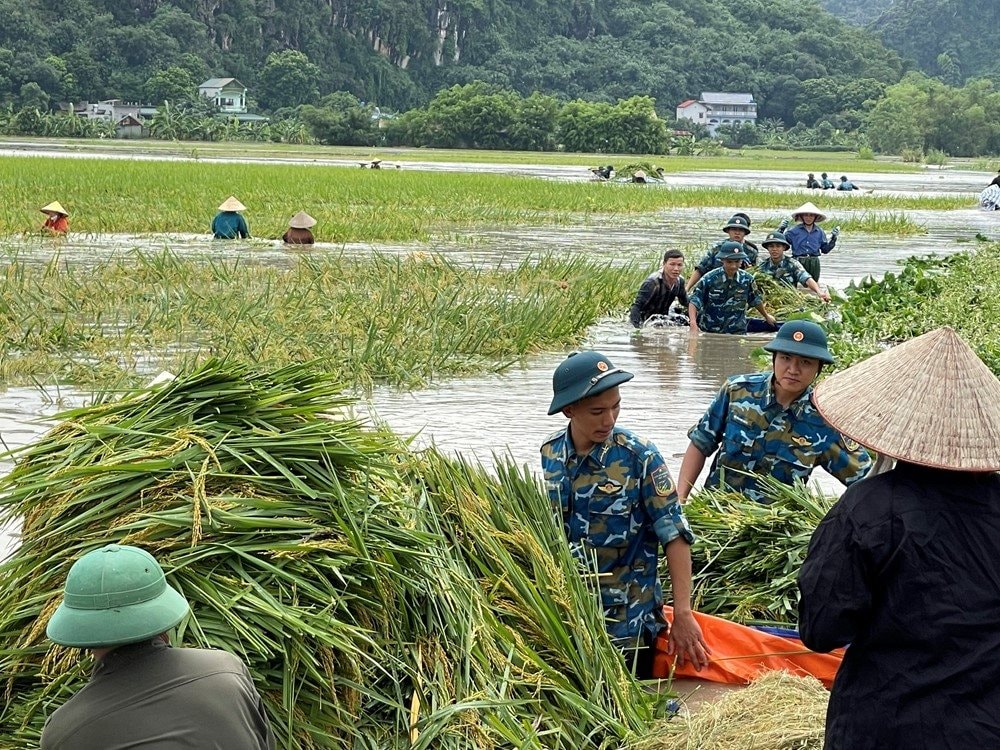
134,196
386,319
381,598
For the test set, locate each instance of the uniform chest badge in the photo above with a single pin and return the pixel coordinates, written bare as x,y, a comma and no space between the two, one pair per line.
802,442
609,488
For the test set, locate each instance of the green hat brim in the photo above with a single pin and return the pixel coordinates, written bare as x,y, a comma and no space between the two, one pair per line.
800,348
101,628
570,395
734,256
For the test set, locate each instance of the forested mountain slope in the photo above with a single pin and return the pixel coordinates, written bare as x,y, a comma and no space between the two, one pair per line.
397,53
858,12
951,39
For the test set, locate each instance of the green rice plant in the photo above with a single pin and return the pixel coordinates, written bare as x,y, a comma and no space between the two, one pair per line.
381,598
386,319
961,291
747,555
350,204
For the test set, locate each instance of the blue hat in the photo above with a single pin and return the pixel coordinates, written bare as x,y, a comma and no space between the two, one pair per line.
776,238
732,251
738,221
584,374
801,337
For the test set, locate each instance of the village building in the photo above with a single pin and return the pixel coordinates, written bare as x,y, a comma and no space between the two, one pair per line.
714,109
228,94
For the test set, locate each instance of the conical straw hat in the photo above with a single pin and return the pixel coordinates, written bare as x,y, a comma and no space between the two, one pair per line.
302,220
808,208
928,401
54,207
231,204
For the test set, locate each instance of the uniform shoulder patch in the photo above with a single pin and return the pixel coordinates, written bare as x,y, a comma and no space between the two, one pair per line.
662,482
850,444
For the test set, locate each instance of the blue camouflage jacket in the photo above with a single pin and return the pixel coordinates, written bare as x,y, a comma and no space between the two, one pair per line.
710,260
787,271
722,302
754,433
618,505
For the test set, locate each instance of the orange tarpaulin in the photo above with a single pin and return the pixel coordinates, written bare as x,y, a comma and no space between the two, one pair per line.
740,654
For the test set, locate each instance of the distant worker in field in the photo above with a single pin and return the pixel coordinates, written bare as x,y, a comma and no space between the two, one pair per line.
787,270
996,180
617,504
738,228
827,183
298,232
143,693
659,291
57,218
603,173
812,183
719,301
639,176
808,240
846,184
229,223
765,424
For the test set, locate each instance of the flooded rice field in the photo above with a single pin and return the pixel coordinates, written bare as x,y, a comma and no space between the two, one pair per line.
676,375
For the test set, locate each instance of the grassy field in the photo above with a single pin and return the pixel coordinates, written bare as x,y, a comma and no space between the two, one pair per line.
794,161
364,205
382,320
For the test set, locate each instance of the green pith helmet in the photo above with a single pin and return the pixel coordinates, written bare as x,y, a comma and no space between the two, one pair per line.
776,238
732,251
113,596
583,374
801,337
738,221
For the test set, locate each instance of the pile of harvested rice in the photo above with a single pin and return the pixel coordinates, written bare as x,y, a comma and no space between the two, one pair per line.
779,711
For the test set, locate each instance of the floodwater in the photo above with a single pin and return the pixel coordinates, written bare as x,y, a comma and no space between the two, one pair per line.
676,375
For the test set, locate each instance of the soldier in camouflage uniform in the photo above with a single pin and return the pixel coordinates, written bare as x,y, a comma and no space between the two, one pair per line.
718,303
787,270
617,503
738,227
766,423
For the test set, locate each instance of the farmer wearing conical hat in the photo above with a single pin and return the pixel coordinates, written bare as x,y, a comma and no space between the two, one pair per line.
904,567
765,424
142,692
617,502
737,228
229,223
787,270
807,239
298,232
718,303
57,218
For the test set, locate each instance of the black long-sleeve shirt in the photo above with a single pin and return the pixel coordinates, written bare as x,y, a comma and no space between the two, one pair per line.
655,298
905,568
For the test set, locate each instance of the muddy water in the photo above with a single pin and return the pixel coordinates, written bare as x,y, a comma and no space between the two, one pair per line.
676,375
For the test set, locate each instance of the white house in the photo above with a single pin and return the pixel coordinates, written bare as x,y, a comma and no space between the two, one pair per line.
229,95
714,109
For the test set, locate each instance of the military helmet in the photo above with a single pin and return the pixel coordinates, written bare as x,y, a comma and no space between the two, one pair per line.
738,221
730,250
113,596
776,238
801,337
584,374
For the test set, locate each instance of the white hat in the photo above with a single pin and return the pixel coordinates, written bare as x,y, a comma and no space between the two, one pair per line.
55,207
808,208
927,401
302,220
231,204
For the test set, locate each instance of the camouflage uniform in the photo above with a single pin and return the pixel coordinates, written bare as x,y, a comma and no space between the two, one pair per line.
722,302
787,271
710,260
618,504
760,436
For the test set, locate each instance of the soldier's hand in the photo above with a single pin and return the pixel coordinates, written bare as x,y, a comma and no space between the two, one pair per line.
685,640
